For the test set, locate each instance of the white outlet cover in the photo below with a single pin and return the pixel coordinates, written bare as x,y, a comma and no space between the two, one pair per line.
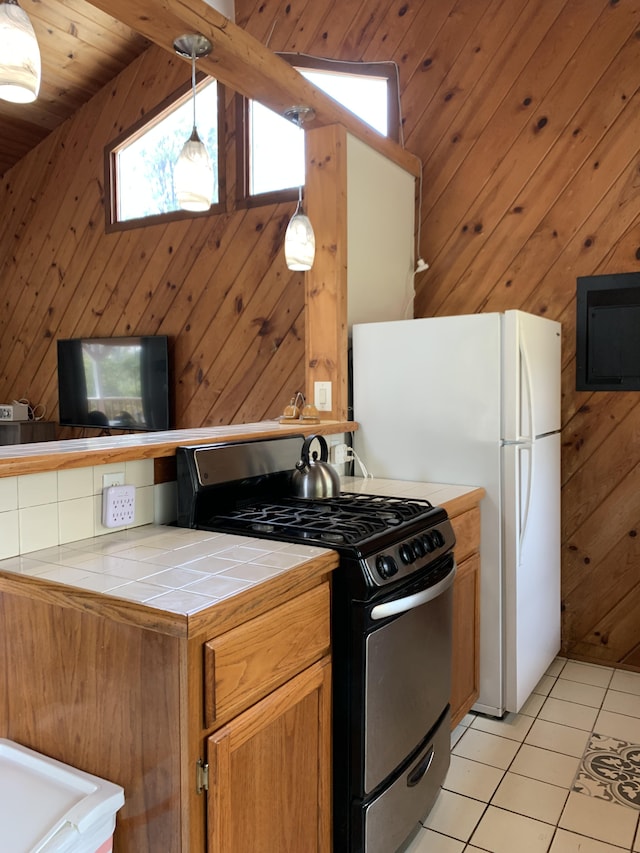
118,506
113,479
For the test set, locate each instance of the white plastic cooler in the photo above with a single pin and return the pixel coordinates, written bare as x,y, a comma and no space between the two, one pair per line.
49,807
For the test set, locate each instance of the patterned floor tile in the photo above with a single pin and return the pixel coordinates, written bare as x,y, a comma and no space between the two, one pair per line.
610,770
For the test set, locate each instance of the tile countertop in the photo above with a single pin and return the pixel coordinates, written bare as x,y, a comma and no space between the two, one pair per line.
184,572
455,499
174,571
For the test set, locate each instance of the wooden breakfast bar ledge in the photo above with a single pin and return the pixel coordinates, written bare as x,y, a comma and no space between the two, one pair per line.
102,450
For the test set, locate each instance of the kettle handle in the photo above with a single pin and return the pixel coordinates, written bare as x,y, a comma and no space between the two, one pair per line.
304,454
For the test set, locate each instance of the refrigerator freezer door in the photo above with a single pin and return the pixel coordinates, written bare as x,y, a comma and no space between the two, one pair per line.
531,376
531,564
427,395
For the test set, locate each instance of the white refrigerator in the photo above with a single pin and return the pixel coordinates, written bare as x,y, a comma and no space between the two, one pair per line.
475,400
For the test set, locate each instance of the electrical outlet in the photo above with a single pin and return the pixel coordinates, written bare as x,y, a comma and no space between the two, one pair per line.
339,454
116,479
118,505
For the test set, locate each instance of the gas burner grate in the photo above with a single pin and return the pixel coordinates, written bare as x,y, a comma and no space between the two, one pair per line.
346,519
402,509
307,523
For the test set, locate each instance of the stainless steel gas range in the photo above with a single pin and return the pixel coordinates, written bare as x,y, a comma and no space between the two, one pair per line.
391,625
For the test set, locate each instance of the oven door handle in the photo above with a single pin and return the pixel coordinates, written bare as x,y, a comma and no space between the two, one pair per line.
410,602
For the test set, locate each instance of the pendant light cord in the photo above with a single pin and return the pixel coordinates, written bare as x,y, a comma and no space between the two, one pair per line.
193,83
299,208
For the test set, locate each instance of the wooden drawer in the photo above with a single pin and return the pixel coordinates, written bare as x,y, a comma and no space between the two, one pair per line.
467,529
248,662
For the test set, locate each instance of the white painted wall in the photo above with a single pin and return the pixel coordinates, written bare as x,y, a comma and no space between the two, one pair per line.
225,7
380,231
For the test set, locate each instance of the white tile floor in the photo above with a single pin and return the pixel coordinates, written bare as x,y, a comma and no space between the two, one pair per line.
509,787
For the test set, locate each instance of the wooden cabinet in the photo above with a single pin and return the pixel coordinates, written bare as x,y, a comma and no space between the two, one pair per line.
145,698
269,771
466,627
465,684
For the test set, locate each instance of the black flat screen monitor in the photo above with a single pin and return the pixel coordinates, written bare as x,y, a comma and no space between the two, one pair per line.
608,332
119,383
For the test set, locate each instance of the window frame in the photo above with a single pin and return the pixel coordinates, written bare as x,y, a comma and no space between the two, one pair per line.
244,199
386,69
136,130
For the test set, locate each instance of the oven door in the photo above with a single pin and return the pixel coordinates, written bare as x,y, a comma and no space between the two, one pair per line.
407,669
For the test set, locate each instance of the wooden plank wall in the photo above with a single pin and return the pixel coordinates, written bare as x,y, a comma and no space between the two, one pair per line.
525,115
217,285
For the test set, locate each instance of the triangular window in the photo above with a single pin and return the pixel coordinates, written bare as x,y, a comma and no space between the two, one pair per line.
274,159
141,162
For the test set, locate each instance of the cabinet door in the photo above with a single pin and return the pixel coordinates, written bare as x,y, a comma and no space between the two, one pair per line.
270,772
466,637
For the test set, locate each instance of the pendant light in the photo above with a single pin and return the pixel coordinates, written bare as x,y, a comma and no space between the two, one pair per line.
299,239
193,172
19,55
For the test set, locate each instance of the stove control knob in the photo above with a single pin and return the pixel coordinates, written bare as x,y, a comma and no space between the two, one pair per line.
418,548
438,538
386,566
406,554
427,541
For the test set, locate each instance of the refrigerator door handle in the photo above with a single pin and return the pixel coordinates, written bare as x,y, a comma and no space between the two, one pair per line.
526,390
525,507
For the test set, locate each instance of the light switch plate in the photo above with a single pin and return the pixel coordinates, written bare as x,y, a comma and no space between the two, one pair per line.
322,396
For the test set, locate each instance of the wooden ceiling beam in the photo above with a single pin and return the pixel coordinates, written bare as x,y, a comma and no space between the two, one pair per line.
244,64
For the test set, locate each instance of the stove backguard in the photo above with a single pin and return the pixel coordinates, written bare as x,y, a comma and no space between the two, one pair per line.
211,479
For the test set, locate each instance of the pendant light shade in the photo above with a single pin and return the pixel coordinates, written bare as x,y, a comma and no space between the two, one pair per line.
193,172
193,175
19,55
299,241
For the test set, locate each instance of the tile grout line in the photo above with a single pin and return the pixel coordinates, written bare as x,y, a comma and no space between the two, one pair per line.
468,844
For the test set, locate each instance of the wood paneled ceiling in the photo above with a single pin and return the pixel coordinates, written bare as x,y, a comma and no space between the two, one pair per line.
82,49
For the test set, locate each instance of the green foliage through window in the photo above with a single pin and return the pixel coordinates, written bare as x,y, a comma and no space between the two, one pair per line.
144,165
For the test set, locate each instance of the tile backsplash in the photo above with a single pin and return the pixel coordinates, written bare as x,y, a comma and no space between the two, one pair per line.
56,507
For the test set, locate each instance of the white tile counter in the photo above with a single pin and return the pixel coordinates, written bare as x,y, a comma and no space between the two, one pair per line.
182,571
455,499
174,569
